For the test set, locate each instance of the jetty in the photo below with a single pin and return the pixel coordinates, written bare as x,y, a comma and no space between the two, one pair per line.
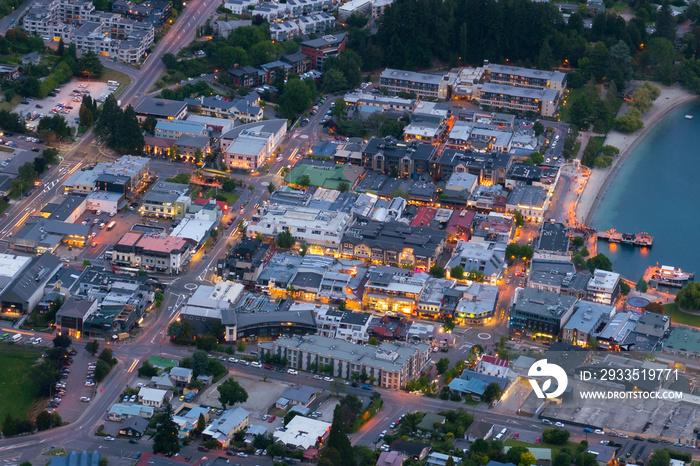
642,239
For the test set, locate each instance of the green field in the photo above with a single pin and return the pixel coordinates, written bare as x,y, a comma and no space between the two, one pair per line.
16,385
231,198
572,446
680,317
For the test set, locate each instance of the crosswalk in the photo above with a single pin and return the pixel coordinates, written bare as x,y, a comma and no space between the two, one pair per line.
10,460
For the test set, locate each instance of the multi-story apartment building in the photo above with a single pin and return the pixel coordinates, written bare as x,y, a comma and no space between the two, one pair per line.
422,84
522,99
168,254
540,314
247,146
491,168
398,158
393,243
327,46
387,365
604,287
525,77
74,21
316,227
165,200
349,326
173,129
392,289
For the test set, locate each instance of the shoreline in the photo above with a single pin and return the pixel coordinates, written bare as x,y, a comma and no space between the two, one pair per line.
600,179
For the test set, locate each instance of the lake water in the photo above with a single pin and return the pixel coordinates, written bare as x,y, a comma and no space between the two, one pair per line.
657,190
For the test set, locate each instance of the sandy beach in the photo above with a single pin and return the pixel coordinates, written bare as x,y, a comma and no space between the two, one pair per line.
600,179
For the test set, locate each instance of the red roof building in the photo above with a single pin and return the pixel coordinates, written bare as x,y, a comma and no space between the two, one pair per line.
459,228
205,200
424,215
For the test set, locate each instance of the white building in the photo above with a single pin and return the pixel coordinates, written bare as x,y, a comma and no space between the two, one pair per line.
344,325
302,433
284,30
106,201
604,287
531,201
239,6
173,129
308,225
153,396
354,7
484,256
247,146
379,7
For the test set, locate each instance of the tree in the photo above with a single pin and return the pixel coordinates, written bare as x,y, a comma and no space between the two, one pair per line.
527,459
62,340
600,261
296,97
158,299
9,426
625,288
86,116
375,121
337,387
339,109
90,66
514,453
334,81
338,440
492,392
230,393
393,128
165,440
181,331
46,420
656,308
641,285
200,362
303,181
343,186
457,272
556,436
660,457
538,128
147,370
92,347
271,188
442,365
289,416
149,125
688,297
285,240
102,368
665,24
519,219
437,271
201,423
373,341
578,241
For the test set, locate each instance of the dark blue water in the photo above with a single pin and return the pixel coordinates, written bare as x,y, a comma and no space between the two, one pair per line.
657,190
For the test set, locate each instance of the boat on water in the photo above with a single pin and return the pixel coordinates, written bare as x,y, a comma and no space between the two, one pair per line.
689,117
671,276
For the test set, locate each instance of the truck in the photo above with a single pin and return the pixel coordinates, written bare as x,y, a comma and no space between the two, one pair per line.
189,397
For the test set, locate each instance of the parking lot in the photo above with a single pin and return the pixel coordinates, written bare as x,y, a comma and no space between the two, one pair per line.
66,101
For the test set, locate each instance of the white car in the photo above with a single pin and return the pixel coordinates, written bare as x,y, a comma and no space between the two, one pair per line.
256,364
234,360
292,371
109,439
318,377
328,379
559,424
244,362
85,399
598,432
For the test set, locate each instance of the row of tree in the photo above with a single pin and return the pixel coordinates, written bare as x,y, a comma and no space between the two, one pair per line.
119,128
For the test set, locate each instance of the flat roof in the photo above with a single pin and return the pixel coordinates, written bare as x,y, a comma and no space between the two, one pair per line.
517,91
129,239
167,245
527,72
160,107
412,76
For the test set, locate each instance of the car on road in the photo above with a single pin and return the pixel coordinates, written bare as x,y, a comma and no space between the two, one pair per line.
318,377
599,432
268,367
244,362
559,424
328,379
231,453
233,360
242,454
612,433
392,425
366,387
588,430
109,438
383,433
182,398
620,435
85,399
537,441
515,435
133,441
202,448
256,364
547,421
292,371
272,418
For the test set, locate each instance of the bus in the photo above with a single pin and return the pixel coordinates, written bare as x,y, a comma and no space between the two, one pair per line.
110,225
113,83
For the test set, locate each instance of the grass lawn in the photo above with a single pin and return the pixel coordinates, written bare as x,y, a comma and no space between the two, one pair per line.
6,149
555,448
10,106
16,383
681,317
573,95
231,198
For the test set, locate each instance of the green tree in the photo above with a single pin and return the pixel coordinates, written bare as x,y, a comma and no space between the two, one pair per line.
527,459
201,423
518,217
200,362
578,241
289,416
149,125
492,392
556,436
92,347
285,240
660,457
457,272
296,97
230,393
338,440
442,365
625,288
86,117
303,181
514,453
437,271
89,66
340,109
147,370
641,285
334,81
688,297
62,340
665,24
9,426
165,440
599,261
343,186
102,368
373,341
538,128
393,128
271,188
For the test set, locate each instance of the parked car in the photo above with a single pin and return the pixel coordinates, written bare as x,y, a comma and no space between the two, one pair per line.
515,435
599,432
366,387
292,371
272,418
559,424
109,438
